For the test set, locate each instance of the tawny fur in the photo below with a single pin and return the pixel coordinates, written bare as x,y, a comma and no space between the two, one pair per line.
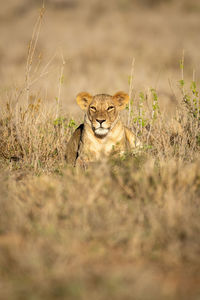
102,132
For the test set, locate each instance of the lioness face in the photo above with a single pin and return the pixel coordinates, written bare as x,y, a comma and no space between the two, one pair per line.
102,110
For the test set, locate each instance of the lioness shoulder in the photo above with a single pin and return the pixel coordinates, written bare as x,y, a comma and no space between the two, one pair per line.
102,130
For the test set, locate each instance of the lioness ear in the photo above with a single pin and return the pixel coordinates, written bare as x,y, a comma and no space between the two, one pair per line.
121,99
83,99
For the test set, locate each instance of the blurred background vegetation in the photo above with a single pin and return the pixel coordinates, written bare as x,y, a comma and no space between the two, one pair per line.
98,40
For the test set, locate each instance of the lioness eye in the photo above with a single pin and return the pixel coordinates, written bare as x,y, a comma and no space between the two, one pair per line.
110,108
93,108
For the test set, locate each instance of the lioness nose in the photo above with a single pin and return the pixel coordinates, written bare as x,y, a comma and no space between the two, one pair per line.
100,121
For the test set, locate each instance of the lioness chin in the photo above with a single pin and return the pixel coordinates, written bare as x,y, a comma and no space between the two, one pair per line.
102,130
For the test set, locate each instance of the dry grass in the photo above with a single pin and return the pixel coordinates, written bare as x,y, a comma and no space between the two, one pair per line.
126,228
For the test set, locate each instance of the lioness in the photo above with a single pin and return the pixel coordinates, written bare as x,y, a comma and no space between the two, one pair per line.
102,130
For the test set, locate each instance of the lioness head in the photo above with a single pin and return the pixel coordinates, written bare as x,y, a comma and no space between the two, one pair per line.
102,110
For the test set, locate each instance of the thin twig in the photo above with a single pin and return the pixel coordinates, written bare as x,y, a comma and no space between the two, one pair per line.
59,85
131,90
32,48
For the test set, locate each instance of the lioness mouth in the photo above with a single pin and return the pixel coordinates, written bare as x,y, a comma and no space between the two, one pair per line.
101,131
